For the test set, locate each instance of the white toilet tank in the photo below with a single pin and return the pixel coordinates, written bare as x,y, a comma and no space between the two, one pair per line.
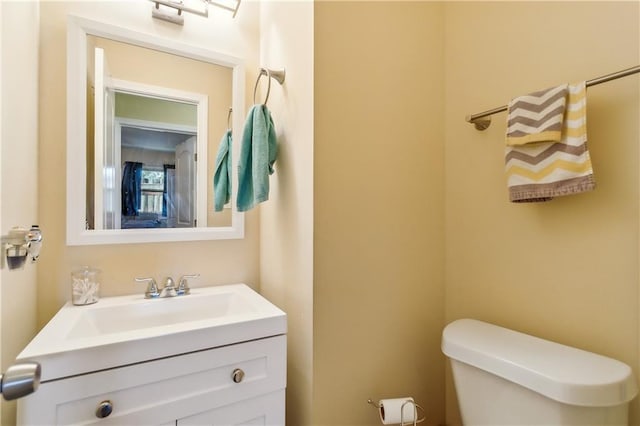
503,377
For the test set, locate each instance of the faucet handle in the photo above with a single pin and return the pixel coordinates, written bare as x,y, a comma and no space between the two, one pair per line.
152,287
183,285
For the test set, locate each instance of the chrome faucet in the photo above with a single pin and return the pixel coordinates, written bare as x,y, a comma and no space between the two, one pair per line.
169,289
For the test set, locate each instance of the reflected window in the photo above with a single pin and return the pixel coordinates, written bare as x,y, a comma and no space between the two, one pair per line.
152,189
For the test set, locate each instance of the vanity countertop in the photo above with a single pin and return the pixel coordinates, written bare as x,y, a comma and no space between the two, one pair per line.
125,330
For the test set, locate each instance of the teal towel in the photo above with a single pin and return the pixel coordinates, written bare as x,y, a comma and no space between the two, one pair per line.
222,175
257,154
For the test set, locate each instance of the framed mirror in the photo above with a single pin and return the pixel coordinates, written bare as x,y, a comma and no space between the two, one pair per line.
145,116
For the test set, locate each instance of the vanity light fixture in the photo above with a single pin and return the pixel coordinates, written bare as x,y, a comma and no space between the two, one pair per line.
182,6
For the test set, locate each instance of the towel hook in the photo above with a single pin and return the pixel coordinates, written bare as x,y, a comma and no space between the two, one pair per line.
229,119
276,75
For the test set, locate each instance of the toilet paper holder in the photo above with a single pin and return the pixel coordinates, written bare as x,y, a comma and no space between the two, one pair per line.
380,407
19,245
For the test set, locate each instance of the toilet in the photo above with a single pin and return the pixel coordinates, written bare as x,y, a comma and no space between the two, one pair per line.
503,377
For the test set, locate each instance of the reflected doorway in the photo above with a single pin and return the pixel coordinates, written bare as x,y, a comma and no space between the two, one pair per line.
156,188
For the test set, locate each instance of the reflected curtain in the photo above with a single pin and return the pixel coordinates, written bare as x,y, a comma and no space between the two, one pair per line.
131,188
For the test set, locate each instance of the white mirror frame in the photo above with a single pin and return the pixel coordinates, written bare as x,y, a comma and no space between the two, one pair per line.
77,30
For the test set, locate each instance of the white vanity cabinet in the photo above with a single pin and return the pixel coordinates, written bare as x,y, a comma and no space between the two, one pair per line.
237,384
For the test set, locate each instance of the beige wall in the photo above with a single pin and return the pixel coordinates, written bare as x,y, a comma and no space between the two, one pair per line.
286,220
378,215
19,173
218,262
566,270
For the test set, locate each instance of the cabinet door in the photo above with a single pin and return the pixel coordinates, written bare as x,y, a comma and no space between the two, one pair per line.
265,410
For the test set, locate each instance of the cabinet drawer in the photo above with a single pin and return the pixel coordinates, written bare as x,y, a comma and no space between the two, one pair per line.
162,390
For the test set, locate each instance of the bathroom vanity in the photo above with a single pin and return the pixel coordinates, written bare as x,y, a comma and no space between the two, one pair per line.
221,360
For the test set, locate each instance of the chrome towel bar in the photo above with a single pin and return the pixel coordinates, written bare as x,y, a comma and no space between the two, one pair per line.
482,120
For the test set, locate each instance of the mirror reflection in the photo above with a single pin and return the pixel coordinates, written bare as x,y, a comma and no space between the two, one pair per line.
156,176
154,120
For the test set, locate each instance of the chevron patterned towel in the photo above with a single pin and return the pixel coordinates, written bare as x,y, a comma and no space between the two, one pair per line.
542,170
537,117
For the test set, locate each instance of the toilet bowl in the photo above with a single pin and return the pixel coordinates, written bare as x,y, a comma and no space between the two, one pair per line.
503,377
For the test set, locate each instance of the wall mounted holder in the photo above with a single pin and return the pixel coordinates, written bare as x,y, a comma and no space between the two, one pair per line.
20,244
277,75
396,410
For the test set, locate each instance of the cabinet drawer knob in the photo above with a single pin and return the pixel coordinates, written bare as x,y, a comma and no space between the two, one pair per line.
104,409
237,375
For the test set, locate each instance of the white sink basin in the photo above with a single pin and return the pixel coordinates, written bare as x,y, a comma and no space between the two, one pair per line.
123,330
118,317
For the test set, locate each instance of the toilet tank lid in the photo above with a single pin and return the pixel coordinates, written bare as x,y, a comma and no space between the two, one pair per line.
563,373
